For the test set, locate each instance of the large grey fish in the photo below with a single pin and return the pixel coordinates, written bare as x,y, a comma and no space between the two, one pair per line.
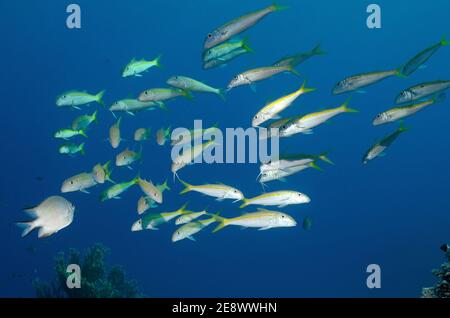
51,216
190,84
422,90
421,58
356,82
237,26
258,74
378,149
398,113
299,58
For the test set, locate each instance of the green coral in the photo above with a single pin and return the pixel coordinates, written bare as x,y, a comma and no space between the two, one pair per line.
441,289
96,280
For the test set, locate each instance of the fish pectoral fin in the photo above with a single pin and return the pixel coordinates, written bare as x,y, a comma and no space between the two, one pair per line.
383,154
265,228
252,86
138,75
85,191
191,238
130,167
117,198
308,132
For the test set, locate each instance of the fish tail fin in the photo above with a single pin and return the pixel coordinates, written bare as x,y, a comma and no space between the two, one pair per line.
82,148
399,72
246,46
157,61
276,7
444,41
83,133
221,92
315,166
108,172
99,97
94,117
291,69
187,186
222,222
305,89
164,186
439,98
186,93
324,157
244,204
317,50
403,128
27,227
348,109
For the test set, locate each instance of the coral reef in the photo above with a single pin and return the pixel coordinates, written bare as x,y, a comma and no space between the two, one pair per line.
441,289
96,280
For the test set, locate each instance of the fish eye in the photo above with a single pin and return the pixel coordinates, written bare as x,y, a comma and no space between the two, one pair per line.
209,35
146,93
282,216
71,182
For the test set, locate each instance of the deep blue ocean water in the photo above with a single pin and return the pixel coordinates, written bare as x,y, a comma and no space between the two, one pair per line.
393,212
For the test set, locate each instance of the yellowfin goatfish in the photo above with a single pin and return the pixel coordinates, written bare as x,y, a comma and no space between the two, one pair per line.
75,99
131,106
151,190
219,191
161,94
102,173
114,134
162,135
190,229
127,157
422,90
151,221
146,202
305,124
51,216
135,67
71,149
69,133
288,161
399,113
81,182
223,49
237,26
223,60
116,190
258,74
83,122
379,148
186,218
187,157
294,60
278,198
263,219
356,82
142,134
272,109
280,174
421,58
190,84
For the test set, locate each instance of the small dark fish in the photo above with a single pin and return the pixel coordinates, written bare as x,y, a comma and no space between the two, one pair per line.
379,148
296,59
421,58
307,223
